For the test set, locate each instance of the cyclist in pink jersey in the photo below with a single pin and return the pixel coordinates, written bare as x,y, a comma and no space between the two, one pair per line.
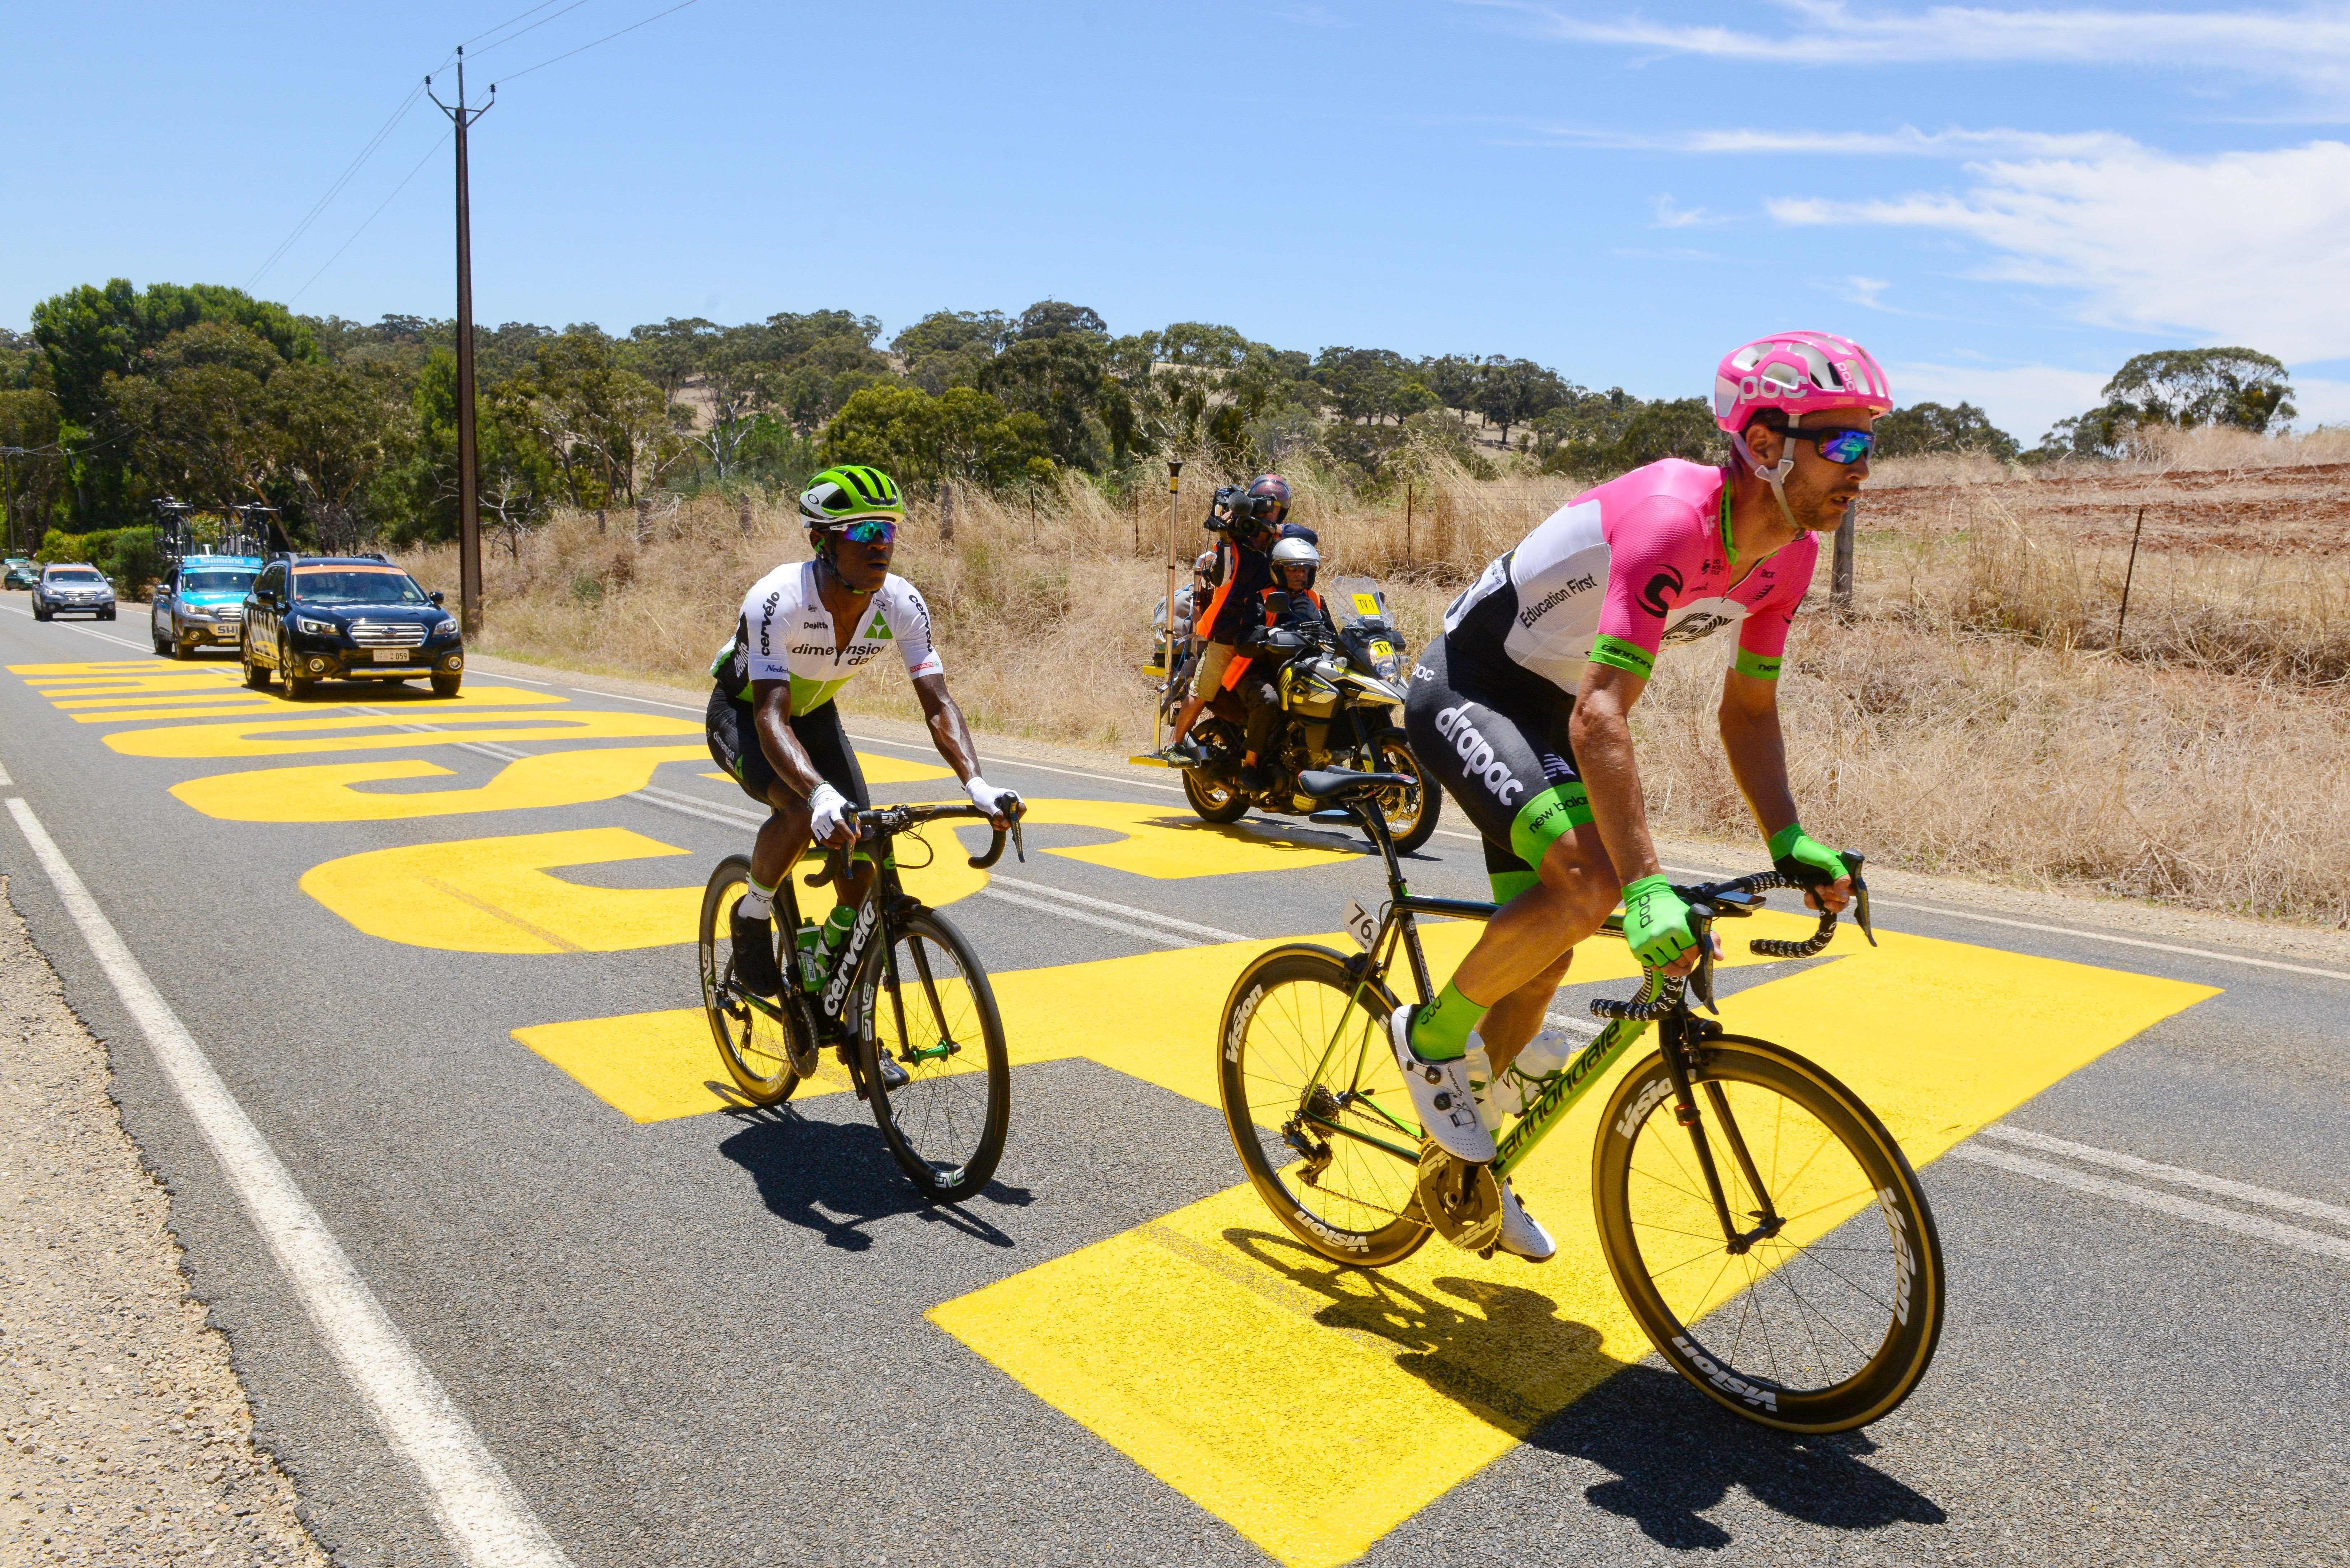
1522,707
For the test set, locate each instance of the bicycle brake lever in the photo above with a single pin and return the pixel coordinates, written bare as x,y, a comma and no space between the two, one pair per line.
1852,860
1019,849
1700,980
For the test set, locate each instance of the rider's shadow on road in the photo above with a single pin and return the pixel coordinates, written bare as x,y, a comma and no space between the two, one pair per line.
837,1178
1503,1352
1675,1454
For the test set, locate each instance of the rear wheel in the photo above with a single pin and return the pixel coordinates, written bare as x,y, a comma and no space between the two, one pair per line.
1317,1109
1825,1314
754,1046
928,1004
1410,813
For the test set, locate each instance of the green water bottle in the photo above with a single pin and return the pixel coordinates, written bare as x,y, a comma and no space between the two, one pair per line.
827,943
805,946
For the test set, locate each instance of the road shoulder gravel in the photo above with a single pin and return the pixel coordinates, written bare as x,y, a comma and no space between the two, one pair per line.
125,1437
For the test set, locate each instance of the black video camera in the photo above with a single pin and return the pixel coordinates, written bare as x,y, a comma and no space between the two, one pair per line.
1237,513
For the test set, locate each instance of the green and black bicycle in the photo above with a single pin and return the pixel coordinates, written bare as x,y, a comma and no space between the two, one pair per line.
919,998
1763,1226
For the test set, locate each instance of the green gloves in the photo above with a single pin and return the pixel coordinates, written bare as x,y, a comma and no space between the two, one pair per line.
1802,860
1656,921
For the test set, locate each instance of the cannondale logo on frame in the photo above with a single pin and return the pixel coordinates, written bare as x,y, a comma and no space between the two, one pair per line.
1477,755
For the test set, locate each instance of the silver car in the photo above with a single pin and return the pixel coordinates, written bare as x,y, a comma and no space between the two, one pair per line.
74,587
201,603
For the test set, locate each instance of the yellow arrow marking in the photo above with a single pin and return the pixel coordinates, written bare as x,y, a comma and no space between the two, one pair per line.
324,793
283,736
496,895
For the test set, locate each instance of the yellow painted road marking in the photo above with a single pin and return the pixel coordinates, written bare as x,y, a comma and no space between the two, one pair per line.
84,667
1176,846
1314,1408
325,793
286,736
652,1066
877,770
498,895
239,701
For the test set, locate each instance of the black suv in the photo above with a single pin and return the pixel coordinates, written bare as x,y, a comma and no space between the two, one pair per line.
309,619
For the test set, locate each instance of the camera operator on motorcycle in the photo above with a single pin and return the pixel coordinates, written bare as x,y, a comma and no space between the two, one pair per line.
1289,605
1249,523
1523,707
806,629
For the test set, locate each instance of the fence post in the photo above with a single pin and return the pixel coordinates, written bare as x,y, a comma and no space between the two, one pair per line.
946,510
644,519
2122,620
600,520
1407,524
1840,574
743,517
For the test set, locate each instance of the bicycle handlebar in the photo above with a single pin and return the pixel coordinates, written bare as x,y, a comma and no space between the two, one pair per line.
1737,898
899,818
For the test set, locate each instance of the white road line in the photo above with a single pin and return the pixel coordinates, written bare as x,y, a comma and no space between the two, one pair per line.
5,781
2253,1225
86,630
1123,928
2291,1203
1205,933
623,696
486,1519
709,811
1033,767
2110,937
1583,1026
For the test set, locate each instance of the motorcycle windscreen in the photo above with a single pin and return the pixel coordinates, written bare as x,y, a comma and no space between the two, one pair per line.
1354,599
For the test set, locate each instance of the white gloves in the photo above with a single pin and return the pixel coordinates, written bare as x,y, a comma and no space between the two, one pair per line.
827,809
985,794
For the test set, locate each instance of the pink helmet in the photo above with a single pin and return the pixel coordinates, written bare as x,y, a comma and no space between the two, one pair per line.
1797,372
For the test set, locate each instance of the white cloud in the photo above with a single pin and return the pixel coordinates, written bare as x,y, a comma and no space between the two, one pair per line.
2310,43
1868,291
2320,402
2250,248
2023,399
1671,217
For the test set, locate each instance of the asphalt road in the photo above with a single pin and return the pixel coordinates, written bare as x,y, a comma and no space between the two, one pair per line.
690,1333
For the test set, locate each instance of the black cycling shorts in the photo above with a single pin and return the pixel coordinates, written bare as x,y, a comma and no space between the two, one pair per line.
1494,734
734,741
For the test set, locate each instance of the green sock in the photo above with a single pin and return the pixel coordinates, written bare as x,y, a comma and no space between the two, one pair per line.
1439,1031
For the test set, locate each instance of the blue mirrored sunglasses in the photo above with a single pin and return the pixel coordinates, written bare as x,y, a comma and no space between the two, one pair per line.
871,531
1839,445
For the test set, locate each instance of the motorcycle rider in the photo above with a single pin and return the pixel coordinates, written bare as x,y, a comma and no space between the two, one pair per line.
1243,570
1295,561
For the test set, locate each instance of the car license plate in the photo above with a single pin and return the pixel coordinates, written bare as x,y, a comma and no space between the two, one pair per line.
392,656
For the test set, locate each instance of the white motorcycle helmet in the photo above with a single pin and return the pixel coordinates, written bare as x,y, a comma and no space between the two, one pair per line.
1293,552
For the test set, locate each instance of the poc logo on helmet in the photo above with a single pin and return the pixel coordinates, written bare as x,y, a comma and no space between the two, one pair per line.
1477,754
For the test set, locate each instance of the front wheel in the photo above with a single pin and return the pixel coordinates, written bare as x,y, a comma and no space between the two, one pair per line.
927,1005
447,685
755,1046
1824,1314
1410,813
1317,1108
297,687
256,676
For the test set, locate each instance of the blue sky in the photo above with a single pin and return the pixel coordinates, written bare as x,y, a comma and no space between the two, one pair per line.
2003,203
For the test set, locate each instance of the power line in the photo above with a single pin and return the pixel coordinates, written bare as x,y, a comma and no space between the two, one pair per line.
605,39
509,22
336,189
371,217
510,37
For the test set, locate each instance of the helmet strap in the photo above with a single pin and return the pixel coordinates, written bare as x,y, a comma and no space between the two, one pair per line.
1775,476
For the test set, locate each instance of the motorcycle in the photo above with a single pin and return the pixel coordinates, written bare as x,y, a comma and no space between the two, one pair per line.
1341,700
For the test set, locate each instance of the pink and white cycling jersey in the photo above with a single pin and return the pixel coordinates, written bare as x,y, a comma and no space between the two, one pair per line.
1625,568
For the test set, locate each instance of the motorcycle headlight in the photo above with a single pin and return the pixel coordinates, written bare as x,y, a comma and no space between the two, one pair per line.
310,628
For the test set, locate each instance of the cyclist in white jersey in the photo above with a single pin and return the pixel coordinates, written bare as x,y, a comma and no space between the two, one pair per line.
806,628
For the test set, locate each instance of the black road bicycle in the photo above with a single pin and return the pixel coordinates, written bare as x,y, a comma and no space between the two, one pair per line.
1761,1224
918,997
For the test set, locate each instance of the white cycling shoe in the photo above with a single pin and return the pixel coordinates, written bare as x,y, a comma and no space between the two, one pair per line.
1442,1093
1520,1237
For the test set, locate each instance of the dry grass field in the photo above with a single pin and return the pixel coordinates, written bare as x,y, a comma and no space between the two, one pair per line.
1972,716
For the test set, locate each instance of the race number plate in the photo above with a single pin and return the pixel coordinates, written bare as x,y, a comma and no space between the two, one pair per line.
1361,925
392,656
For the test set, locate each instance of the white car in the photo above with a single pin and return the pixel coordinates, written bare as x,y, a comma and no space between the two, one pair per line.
74,587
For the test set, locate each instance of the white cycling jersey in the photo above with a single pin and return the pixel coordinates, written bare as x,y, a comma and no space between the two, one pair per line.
785,633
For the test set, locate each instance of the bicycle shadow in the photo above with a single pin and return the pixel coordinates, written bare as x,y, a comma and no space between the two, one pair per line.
837,1178
1503,1353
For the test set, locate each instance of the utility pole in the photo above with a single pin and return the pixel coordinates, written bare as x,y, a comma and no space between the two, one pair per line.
1840,569
469,515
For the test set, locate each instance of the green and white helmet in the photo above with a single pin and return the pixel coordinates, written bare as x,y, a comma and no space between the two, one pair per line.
840,496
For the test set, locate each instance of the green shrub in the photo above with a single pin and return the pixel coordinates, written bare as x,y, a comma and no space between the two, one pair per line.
126,556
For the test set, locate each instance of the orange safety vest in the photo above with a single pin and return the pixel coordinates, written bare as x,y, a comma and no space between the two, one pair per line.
1239,666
